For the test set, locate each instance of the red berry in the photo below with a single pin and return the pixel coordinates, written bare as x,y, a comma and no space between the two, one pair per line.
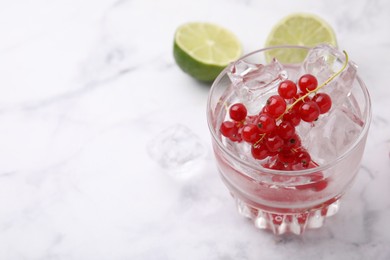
309,111
303,158
323,101
286,156
276,106
230,130
292,142
227,128
296,107
273,142
266,123
264,110
237,136
287,89
317,182
315,177
238,112
285,129
250,133
259,151
321,185
278,165
307,83
293,117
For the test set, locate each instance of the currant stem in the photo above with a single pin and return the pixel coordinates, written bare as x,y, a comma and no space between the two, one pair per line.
259,141
319,87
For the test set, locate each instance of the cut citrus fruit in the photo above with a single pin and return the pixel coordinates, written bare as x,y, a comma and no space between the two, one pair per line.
203,50
299,29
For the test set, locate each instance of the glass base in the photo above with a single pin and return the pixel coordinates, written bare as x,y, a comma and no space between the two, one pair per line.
295,223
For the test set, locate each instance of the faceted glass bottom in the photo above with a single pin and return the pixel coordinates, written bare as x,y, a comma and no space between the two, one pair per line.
295,223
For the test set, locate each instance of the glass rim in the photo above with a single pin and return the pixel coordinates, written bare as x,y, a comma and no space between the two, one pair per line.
258,167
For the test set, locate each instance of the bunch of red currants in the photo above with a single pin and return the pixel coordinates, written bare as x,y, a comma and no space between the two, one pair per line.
272,133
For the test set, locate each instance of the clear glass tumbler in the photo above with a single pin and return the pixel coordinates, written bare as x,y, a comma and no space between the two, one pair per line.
286,201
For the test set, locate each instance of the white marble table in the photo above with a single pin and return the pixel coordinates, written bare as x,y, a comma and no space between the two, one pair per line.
85,88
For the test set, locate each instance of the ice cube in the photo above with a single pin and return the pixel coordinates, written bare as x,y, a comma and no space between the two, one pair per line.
331,135
323,61
177,149
252,81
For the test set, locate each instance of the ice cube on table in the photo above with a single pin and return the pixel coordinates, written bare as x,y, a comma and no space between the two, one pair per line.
177,149
252,81
323,61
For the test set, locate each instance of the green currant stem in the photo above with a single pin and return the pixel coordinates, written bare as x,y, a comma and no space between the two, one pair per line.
319,87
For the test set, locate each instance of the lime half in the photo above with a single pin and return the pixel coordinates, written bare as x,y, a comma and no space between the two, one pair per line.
299,29
203,50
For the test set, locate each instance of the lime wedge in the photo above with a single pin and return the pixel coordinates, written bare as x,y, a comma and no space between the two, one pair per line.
299,29
203,50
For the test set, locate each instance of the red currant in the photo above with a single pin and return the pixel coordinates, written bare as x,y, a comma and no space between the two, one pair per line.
287,89
264,110
276,106
266,123
285,129
307,83
318,181
300,95
273,142
316,177
237,137
321,185
292,142
259,151
303,158
276,165
238,112
309,111
250,133
323,101
230,130
293,117
286,156
227,128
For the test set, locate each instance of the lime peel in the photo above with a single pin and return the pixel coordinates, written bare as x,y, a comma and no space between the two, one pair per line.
203,50
300,29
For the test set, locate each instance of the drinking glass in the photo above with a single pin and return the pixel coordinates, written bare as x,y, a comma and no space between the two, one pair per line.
280,200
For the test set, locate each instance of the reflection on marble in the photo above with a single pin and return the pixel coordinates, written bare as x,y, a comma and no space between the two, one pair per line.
85,85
